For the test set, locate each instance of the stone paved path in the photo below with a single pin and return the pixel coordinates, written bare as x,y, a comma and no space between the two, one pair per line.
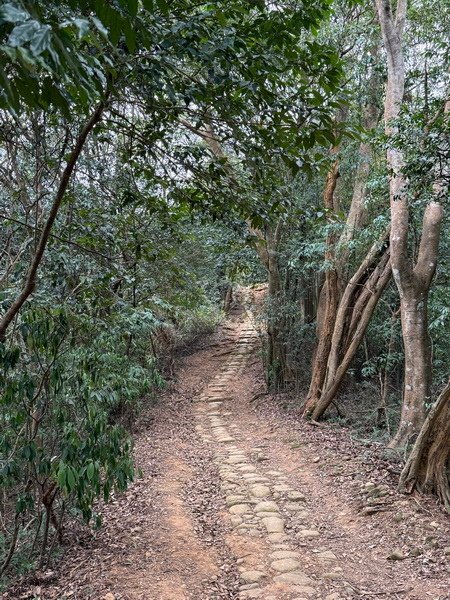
274,518
257,499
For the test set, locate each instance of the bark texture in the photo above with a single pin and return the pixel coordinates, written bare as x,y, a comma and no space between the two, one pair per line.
426,467
375,286
328,302
413,281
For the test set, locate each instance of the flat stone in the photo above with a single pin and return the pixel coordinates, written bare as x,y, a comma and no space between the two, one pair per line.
279,554
267,506
251,576
273,525
396,555
254,478
332,576
294,578
285,565
281,487
254,533
263,515
236,520
260,491
302,514
234,460
234,499
296,496
308,533
239,509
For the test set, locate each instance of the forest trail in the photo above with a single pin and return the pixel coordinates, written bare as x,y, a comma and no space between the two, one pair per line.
236,501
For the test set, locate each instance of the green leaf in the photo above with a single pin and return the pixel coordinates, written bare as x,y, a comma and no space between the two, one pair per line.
90,471
61,478
130,36
71,479
131,5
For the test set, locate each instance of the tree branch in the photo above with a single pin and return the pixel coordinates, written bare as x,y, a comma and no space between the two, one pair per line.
429,244
30,279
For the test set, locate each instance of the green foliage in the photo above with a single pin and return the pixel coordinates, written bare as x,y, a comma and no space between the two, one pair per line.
157,222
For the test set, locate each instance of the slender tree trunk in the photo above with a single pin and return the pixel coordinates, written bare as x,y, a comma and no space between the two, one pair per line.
331,314
426,467
353,303
413,281
328,302
267,247
353,315
379,280
30,279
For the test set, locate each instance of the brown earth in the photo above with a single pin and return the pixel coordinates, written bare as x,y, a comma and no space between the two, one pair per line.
193,526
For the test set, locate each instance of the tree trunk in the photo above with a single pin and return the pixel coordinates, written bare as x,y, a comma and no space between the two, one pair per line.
358,212
328,345
413,282
356,294
376,284
417,347
426,467
267,247
352,318
30,279
328,302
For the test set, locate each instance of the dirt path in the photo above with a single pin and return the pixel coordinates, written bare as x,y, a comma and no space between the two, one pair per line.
242,501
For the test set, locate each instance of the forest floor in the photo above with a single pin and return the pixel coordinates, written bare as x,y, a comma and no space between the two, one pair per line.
240,499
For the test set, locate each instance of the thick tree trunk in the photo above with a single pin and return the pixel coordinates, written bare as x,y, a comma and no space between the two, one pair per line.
413,282
417,345
414,285
426,467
